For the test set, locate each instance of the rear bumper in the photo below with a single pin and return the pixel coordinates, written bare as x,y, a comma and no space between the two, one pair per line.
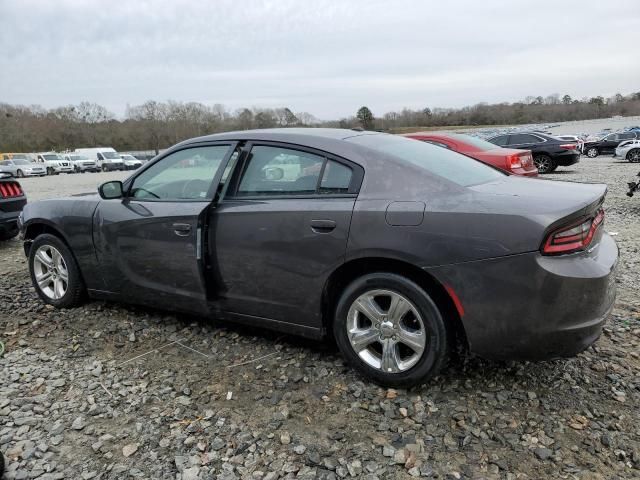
566,159
535,307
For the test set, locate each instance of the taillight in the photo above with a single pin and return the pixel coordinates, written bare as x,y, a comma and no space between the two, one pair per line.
573,238
515,161
520,160
569,146
10,189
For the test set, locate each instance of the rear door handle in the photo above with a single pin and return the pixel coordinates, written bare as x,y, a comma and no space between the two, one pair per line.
323,226
181,229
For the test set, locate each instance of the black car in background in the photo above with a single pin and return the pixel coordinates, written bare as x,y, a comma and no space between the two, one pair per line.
607,144
548,152
12,199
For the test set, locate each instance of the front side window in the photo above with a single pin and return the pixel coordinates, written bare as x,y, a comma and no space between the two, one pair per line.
280,171
183,175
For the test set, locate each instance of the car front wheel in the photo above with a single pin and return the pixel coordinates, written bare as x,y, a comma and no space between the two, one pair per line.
390,330
54,272
544,163
634,156
592,152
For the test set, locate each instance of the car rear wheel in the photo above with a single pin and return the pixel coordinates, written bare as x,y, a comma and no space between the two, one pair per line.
634,156
544,163
592,152
54,272
390,330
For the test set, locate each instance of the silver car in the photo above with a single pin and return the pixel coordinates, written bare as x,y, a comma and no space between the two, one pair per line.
628,150
21,167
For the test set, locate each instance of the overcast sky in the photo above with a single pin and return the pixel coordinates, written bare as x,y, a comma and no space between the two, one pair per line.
325,57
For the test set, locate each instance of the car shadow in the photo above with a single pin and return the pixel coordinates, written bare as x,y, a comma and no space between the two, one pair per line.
462,366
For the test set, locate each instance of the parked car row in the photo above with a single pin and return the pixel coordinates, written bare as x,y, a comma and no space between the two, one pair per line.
79,161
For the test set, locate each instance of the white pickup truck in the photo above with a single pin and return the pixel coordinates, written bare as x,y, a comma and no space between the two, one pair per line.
54,163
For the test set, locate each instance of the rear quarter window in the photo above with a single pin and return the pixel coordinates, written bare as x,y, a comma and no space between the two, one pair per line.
441,162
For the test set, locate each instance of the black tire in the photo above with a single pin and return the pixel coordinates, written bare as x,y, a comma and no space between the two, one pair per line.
592,152
633,156
49,171
544,163
436,351
104,168
75,291
19,173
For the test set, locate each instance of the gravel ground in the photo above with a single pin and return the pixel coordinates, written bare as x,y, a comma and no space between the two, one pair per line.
111,391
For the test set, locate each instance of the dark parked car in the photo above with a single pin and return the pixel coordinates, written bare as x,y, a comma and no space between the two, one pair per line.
12,199
548,152
397,248
607,144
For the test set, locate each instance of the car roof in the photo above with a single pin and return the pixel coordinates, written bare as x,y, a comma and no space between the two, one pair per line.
281,133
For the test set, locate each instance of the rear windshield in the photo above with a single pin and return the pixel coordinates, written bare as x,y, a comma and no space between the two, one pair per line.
480,144
439,161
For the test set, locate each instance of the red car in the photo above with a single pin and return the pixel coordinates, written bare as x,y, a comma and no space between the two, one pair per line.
518,162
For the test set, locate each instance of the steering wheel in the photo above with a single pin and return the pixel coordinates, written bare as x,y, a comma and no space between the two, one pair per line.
189,189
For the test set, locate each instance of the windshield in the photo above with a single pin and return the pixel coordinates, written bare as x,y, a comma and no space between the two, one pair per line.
19,161
480,144
111,155
439,161
52,157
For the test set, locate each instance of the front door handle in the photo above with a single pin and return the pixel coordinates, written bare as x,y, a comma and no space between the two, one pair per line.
323,226
181,229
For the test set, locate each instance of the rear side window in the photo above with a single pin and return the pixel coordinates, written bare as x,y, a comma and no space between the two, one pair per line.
439,144
277,171
522,138
450,165
500,141
336,178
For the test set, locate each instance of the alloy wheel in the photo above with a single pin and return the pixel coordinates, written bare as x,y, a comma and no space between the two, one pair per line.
51,272
386,330
543,163
634,156
592,152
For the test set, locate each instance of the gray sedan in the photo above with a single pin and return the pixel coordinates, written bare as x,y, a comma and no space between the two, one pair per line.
398,249
22,168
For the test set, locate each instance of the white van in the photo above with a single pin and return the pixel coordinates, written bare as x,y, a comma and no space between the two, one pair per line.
54,163
106,157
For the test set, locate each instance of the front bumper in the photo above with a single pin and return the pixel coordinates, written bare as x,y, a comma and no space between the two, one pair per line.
113,166
61,169
31,173
535,307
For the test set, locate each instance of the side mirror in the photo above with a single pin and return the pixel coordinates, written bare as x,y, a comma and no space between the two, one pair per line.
111,190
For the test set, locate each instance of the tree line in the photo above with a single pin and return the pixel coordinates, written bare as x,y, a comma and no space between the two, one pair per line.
156,125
